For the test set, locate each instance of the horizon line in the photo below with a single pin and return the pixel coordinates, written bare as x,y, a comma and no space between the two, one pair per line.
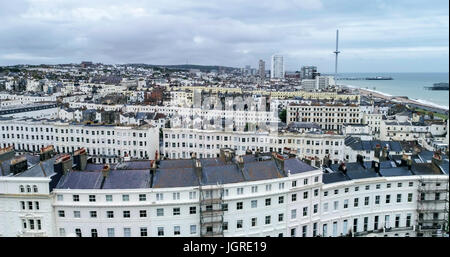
325,72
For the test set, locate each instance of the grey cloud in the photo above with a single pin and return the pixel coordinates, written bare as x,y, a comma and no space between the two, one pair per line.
232,33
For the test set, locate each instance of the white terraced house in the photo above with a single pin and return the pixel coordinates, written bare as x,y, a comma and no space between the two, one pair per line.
250,195
26,206
25,195
104,143
403,131
33,110
238,116
328,116
181,143
27,98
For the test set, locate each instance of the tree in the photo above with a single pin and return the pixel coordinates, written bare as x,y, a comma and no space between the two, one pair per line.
282,115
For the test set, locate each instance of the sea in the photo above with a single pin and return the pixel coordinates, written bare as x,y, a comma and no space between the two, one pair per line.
411,85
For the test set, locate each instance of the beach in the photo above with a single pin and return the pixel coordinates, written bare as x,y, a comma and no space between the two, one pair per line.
411,85
373,93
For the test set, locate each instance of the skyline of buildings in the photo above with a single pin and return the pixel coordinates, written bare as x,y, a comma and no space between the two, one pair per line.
96,150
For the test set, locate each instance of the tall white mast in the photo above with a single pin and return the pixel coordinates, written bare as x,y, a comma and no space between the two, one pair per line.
336,52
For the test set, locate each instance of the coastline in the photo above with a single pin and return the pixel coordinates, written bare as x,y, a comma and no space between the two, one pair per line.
388,97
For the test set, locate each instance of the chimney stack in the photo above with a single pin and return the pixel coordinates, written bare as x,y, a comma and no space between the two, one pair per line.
80,159
46,153
343,168
404,160
437,159
198,168
156,155
280,160
409,163
18,165
240,162
384,153
153,167
376,166
63,164
326,160
105,170
377,151
360,159
307,161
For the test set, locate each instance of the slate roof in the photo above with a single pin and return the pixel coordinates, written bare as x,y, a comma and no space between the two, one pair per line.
179,163
175,177
370,145
94,167
80,180
426,155
296,166
445,166
5,168
211,162
127,179
261,170
394,172
356,170
36,170
132,165
388,168
425,169
334,177
229,173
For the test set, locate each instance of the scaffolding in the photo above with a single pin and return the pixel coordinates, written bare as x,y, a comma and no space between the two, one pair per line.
432,208
211,210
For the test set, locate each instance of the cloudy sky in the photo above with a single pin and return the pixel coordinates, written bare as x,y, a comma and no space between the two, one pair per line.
375,35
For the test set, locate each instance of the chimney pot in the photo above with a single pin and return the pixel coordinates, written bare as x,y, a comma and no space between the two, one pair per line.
105,170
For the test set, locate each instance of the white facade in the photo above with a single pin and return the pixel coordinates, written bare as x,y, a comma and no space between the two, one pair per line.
328,117
25,99
373,120
104,143
25,207
402,131
144,213
34,110
386,206
357,129
384,202
372,109
320,82
438,129
65,114
180,143
239,116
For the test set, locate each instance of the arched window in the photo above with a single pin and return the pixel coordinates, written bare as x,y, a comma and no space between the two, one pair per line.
28,189
35,189
22,189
